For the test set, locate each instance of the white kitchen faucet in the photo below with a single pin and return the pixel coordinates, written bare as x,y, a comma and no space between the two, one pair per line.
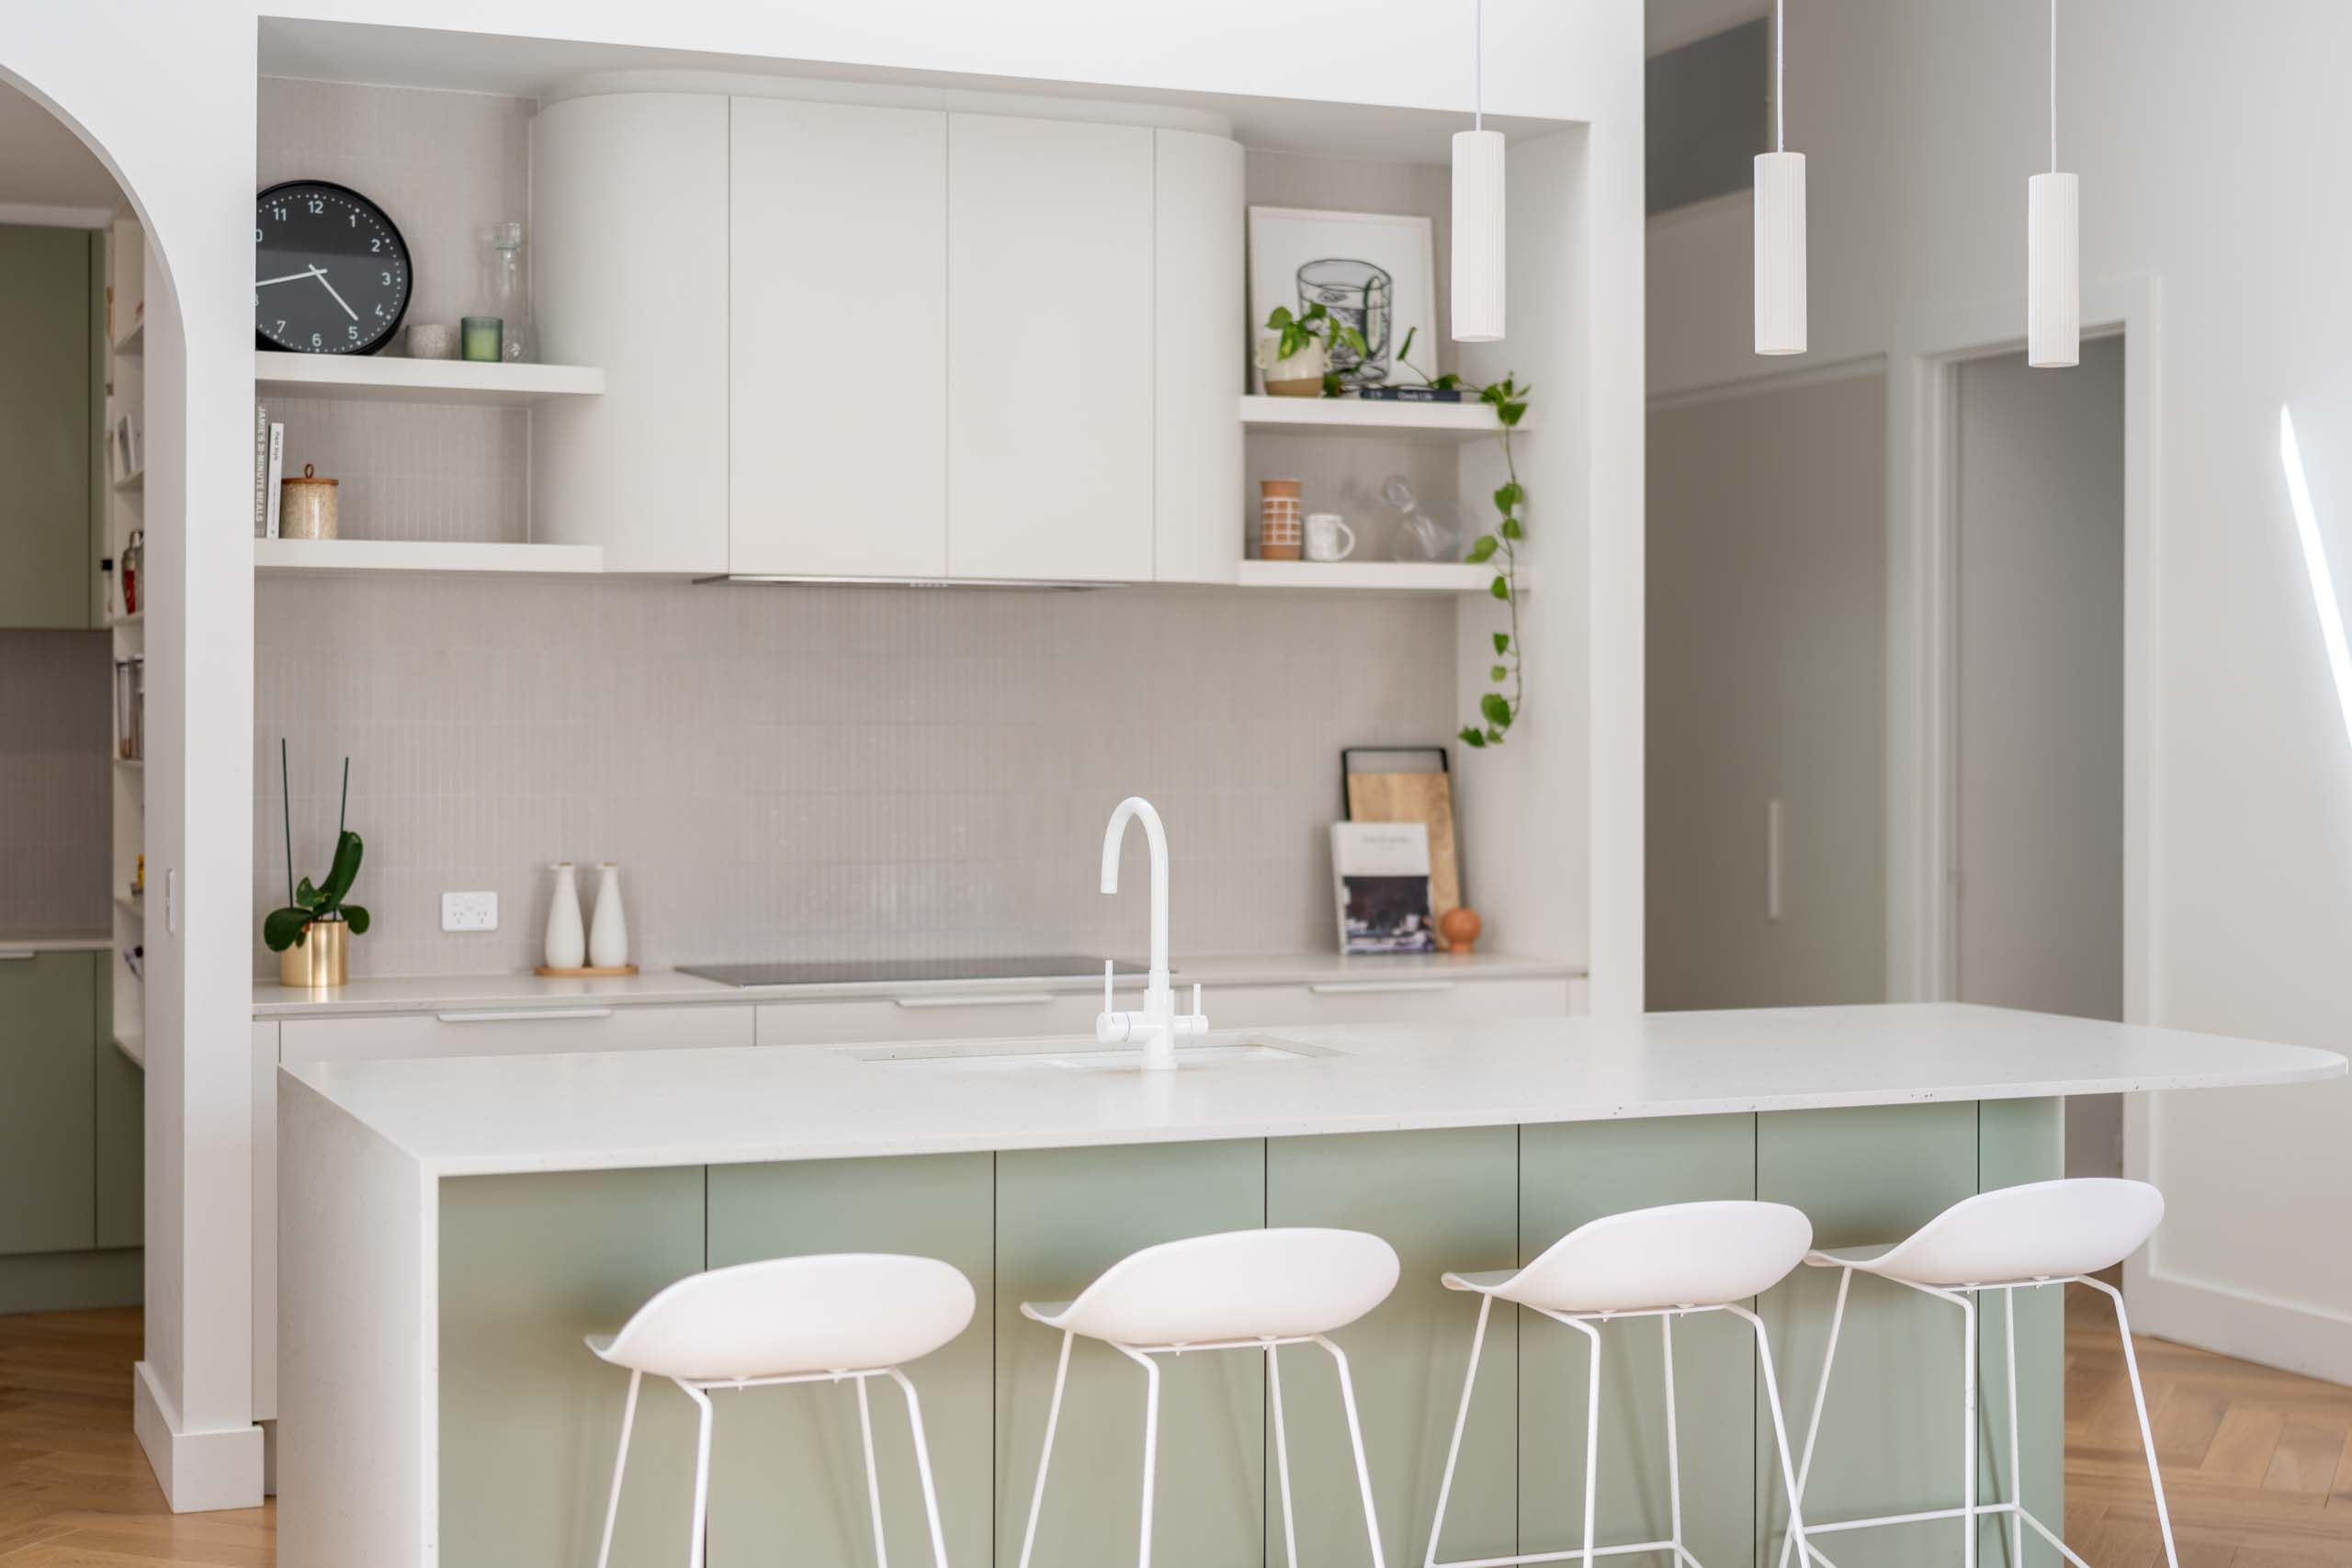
1158,1026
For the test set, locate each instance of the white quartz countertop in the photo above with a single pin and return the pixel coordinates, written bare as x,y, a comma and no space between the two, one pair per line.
668,987
612,1110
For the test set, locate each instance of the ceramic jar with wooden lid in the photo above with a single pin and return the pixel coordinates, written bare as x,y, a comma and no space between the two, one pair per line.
307,508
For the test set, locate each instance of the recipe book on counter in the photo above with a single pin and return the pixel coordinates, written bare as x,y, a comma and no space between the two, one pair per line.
1380,872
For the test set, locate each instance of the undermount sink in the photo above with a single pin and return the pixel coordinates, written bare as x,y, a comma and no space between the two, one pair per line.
1064,1055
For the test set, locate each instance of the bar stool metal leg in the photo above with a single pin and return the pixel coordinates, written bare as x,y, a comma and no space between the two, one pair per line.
873,1476
1150,1444
922,1470
1968,1431
2140,1403
1044,1458
1460,1419
620,1463
1820,1402
2016,1450
1673,1447
1281,1454
1779,1435
702,1474
1592,1432
1355,1441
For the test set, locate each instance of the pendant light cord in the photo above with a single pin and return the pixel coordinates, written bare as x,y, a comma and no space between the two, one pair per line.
2054,86
1478,63
1780,75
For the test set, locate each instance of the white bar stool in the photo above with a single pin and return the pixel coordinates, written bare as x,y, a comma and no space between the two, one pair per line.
1235,1290
2017,1238
1665,1263
788,1320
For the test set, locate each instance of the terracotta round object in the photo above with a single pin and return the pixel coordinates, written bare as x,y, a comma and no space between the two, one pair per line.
1460,927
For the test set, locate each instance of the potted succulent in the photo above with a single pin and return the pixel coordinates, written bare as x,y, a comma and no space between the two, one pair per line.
311,935
1298,358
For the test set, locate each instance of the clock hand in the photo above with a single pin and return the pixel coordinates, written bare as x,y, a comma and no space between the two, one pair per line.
289,277
321,274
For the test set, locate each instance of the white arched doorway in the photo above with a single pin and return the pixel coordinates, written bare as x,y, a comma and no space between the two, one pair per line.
171,118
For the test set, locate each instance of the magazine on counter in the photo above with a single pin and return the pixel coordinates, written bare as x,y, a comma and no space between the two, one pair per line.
1380,872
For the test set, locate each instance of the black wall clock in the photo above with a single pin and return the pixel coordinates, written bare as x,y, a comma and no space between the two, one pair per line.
331,273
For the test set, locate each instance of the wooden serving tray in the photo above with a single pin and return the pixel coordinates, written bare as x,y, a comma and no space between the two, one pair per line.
589,972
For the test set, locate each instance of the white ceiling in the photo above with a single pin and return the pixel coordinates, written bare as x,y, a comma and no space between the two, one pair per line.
43,164
536,68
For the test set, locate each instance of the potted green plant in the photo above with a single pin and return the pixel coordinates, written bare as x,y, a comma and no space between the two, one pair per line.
1297,357
311,935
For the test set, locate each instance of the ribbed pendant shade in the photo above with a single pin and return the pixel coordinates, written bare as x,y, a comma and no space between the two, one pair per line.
2053,304
1780,253
1478,236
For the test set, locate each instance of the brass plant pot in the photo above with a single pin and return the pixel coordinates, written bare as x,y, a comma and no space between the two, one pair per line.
320,958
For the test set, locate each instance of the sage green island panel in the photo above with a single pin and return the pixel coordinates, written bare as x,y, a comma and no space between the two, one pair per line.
789,1468
48,1195
1574,1172
1445,1200
531,1264
2019,1141
1062,1217
1891,1430
120,1114
45,434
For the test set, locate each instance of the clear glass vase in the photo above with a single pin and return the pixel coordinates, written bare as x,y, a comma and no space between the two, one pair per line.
510,294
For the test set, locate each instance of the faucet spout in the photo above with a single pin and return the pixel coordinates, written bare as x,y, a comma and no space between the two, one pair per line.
1133,808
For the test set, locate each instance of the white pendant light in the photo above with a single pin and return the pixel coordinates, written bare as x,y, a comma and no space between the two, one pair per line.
1478,211
2054,281
1779,221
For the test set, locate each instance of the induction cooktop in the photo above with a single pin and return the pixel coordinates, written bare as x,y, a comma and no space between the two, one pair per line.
906,971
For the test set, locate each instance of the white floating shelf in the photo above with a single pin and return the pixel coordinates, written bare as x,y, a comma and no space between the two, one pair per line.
136,909
133,1044
129,483
1370,576
131,344
421,556
418,380
1354,416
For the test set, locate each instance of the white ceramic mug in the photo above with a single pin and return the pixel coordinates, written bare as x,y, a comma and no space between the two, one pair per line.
1324,533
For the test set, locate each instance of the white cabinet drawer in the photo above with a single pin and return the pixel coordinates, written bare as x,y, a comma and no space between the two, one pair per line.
1383,1001
510,1032
969,1015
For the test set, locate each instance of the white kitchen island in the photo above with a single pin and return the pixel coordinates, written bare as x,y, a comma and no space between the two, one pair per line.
450,1228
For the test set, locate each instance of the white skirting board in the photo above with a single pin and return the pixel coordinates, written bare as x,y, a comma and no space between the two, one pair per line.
198,1470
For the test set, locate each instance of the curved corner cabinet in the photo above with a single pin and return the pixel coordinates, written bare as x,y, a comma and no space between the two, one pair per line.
851,340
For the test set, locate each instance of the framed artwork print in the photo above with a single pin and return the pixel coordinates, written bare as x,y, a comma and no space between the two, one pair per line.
1376,271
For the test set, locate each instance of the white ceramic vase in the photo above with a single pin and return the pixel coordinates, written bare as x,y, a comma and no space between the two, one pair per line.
608,932
567,940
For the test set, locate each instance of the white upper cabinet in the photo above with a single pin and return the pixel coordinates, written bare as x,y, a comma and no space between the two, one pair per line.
837,385
628,247
1050,290
1196,318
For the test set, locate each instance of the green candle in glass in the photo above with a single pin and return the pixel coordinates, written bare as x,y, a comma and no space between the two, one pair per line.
484,337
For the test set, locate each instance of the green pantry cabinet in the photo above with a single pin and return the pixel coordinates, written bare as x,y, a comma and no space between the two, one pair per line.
70,1135
528,1419
52,392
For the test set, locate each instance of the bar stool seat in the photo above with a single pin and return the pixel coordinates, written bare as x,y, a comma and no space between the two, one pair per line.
788,1320
1665,1262
1234,1290
2013,1238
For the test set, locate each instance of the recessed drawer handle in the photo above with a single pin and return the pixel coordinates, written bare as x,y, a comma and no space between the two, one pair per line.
1370,988
985,999
524,1015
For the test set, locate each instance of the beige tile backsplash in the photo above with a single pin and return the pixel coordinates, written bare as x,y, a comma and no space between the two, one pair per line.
56,739
794,771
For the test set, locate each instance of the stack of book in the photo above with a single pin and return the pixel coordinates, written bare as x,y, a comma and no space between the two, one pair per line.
269,463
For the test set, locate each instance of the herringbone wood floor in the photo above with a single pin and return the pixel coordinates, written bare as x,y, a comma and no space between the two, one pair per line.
2258,1463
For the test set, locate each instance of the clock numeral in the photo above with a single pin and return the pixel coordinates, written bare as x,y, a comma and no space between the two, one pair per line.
278,213
352,331
355,221
372,245
388,277
317,206
316,340
379,309
281,323
256,236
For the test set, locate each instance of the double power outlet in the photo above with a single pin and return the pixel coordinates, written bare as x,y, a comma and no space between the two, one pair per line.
469,911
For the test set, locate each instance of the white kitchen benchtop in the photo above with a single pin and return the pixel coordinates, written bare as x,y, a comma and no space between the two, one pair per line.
667,987
493,1114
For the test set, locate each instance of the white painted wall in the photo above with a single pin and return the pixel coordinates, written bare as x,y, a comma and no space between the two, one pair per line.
165,91
2194,130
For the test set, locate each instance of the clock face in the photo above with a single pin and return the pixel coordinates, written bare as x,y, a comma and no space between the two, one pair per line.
330,273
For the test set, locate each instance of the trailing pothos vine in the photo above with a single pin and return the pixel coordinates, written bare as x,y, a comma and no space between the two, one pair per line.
1498,708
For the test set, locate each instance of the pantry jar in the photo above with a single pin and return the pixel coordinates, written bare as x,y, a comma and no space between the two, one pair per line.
307,509
1278,519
